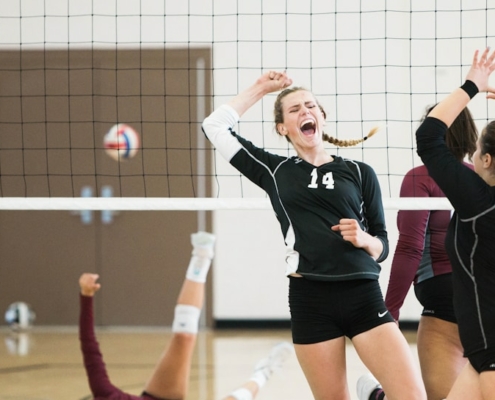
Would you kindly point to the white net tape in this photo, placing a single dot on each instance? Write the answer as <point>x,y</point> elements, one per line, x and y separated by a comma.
<point>171,204</point>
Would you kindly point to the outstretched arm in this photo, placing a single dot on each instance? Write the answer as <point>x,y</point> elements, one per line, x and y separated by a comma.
<point>481,68</point>
<point>218,126</point>
<point>456,180</point>
<point>93,360</point>
<point>268,82</point>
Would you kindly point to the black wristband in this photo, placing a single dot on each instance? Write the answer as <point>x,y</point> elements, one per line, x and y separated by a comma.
<point>470,88</point>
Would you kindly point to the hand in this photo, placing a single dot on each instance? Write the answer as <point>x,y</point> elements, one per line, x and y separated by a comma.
<point>274,81</point>
<point>351,232</point>
<point>88,284</point>
<point>268,82</point>
<point>480,71</point>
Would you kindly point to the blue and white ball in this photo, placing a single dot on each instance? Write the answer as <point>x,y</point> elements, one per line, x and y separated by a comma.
<point>19,316</point>
<point>121,142</point>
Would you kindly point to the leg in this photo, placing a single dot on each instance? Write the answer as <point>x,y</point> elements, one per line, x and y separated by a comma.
<point>440,356</point>
<point>171,375</point>
<point>324,366</point>
<point>467,385</point>
<point>386,353</point>
<point>262,372</point>
<point>487,383</point>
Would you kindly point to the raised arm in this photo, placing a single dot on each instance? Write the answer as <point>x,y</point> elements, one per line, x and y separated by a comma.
<point>476,81</point>
<point>219,124</point>
<point>98,379</point>
<point>271,81</point>
<point>457,181</point>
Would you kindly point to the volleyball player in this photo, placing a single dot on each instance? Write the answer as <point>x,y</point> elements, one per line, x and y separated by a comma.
<point>170,377</point>
<point>331,216</point>
<point>421,259</point>
<point>471,234</point>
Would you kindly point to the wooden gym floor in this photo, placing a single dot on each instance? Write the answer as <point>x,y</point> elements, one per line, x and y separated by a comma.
<point>46,364</point>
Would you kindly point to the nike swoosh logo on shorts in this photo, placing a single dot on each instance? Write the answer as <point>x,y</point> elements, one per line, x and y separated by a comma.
<point>380,315</point>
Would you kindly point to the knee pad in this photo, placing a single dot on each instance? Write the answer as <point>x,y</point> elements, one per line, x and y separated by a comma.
<point>186,319</point>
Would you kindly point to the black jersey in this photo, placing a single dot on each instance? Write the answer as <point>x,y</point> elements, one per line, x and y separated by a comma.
<point>308,201</point>
<point>470,237</point>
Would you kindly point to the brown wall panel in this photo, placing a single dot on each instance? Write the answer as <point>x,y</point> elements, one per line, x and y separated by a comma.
<point>55,108</point>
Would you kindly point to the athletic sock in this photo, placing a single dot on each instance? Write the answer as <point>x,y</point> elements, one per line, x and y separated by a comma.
<point>274,361</point>
<point>202,255</point>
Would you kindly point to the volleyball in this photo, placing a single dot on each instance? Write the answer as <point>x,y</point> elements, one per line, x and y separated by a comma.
<point>121,142</point>
<point>20,316</point>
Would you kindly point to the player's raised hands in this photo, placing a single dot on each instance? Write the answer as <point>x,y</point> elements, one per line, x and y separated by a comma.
<point>274,81</point>
<point>88,284</point>
<point>480,71</point>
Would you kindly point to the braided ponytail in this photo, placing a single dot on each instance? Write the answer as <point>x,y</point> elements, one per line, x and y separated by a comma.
<point>348,143</point>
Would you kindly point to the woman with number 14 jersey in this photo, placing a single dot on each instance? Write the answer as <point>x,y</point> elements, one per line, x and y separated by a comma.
<point>331,215</point>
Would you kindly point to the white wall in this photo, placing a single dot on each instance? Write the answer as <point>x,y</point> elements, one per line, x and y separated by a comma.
<point>250,280</point>
<point>369,63</point>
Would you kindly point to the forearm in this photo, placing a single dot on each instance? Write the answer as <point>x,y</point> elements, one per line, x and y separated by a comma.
<point>373,246</point>
<point>98,379</point>
<point>450,107</point>
<point>402,274</point>
<point>247,98</point>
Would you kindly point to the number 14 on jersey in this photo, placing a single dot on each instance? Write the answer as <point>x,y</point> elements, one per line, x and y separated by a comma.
<point>327,180</point>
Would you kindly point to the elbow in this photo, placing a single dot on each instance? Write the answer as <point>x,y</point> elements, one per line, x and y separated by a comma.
<point>206,128</point>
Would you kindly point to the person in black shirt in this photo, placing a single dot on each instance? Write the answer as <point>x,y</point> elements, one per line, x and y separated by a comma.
<point>331,216</point>
<point>471,235</point>
<point>421,260</point>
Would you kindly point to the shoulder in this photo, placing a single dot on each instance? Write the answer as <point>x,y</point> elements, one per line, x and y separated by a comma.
<point>362,167</point>
<point>419,172</point>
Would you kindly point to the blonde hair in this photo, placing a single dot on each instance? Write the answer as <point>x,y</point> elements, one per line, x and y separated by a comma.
<point>349,143</point>
<point>278,114</point>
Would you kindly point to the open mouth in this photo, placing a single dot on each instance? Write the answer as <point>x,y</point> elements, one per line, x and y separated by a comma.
<point>308,127</point>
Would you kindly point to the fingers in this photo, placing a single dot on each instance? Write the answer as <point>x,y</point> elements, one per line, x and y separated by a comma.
<point>349,222</point>
<point>88,284</point>
<point>89,280</point>
<point>475,58</point>
<point>491,61</point>
<point>484,60</point>
<point>280,77</point>
<point>484,56</point>
<point>346,225</point>
<point>481,69</point>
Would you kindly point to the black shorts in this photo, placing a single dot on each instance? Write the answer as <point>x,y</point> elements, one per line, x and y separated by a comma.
<point>323,310</point>
<point>483,360</point>
<point>435,295</point>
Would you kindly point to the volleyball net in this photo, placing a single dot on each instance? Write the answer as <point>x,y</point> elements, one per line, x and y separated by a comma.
<point>70,71</point>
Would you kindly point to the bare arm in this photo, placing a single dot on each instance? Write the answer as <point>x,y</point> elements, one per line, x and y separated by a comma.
<point>268,82</point>
<point>481,68</point>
